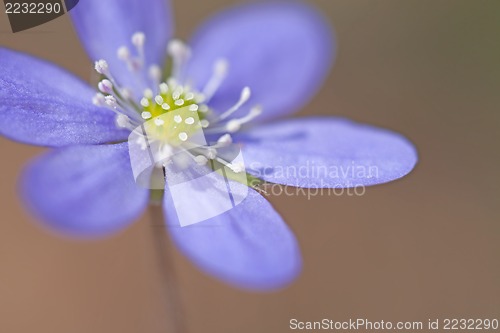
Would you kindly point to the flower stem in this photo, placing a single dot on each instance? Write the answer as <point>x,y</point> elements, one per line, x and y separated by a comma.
<point>166,269</point>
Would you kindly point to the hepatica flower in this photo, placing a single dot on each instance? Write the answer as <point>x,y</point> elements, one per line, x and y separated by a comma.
<point>243,68</point>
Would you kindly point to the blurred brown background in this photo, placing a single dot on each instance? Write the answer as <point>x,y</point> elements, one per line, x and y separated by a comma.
<point>423,247</point>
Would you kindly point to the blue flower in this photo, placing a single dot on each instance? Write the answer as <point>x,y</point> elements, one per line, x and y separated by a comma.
<point>274,55</point>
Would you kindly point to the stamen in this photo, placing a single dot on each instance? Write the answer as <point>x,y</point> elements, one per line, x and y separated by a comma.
<point>225,140</point>
<point>220,72</point>
<point>126,93</point>
<point>145,102</point>
<point>183,136</point>
<point>138,40</point>
<point>148,93</point>
<point>105,86</point>
<point>164,88</point>
<point>133,64</point>
<point>179,102</point>
<point>99,100</point>
<point>165,106</point>
<point>155,74</point>
<point>101,67</point>
<point>178,119</point>
<point>244,97</point>
<point>122,121</point>
<point>236,167</point>
<point>146,115</point>
<point>110,101</point>
<point>189,121</point>
<point>180,53</point>
<point>159,100</point>
<point>159,121</point>
<point>234,125</point>
<point>211,153</point>
<point>123,54</point>
<point>177,93</point>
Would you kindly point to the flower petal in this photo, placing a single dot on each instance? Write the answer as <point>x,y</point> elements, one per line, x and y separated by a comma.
<point>248,246</point>
<point>282,51</point>
<point>105,26</point>
<point>84,191</point>
<point>326,153</point>
<point>42,104</point>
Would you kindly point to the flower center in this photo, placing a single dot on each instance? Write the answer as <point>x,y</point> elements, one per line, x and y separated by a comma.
<point>171,115</point>
<point>176,113</point>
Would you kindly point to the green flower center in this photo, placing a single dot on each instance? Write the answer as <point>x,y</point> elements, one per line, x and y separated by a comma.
<point>174,115</point>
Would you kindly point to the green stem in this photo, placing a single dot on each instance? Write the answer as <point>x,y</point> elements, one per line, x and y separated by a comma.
<point>166,268</point>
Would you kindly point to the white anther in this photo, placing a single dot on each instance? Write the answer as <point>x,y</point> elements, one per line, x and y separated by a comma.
<point>126,93</point>
<point>165,106</point>
<point>244,97</point>
<point>122,121</point>
<point>155,73</point>
<point>183,136</point>
<point>204,123</point>
<point>101,67</point>
<point>220,71</point>
<point>159,121</point>
<point>237,167</point>
<point>177,92</point>
<point>193,107</point>
<point>203,108</point>
<point>254,113</point>
<point>148,93</point>
<point>146,115</point>
<point>179,102</point>
<point>201,160</point>
<point>225,140</point>
<point>189,96</point>
<point>189,121</point>
<point>233,125</point>
<point>123,53</point>
<point>105,86</point>
<point>163,88</point>
<point>245,94</point>
<point>211,153</point>
<point>180,53</point>
<point>159,100</point>
<point>176,48</point>
<point>178,119</point>
<point>172,82</point>
<point>99,100</point>
<point>110,101</point>
<point>138,39</point>
<point>144,102</point>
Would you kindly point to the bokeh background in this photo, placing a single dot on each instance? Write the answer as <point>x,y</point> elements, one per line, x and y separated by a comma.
<point>427,246</point>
